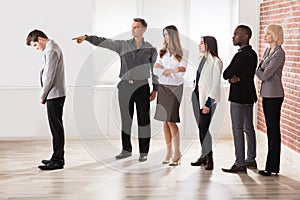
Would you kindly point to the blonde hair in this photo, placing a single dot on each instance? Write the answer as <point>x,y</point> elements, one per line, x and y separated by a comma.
<point>174,43</point>
<point>277,33</point>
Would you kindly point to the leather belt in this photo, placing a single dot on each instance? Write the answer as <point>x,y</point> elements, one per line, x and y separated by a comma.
<point>131,81</point>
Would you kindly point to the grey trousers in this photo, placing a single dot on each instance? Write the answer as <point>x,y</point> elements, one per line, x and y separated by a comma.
<point>242,122</point>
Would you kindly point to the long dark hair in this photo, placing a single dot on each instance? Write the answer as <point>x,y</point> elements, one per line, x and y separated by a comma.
<point>211,45</point>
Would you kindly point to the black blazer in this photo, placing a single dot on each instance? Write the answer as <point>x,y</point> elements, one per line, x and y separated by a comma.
<point>243,65</point>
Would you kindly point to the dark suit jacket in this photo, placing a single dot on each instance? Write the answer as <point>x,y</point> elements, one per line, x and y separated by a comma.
<point>243,65</point>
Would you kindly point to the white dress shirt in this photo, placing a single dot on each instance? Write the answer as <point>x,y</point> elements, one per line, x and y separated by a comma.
<point>169,61</point>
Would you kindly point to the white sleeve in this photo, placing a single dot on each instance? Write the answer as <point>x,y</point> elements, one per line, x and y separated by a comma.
<point>182,63</point>
<point>158,71</point>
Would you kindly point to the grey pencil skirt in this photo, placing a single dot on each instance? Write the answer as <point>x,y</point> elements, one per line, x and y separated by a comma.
<point>168,102</point>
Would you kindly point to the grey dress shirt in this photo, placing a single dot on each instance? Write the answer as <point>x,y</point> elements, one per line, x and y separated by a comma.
<point>136,63</point>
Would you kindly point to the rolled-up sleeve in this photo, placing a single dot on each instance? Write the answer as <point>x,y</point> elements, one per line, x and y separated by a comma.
<point>156,70</point>
<point>182,63</point>
<point>153,74</point>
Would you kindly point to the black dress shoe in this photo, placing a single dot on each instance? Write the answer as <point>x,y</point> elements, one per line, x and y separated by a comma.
<point>251,165</point>
<point>236,169</point>
<point>266,173</point>
<point>142,158</point>
<point>123,154</point>
<point>199,162</point>
<point>48,161</point>
<point>45,162</point>
<point>51,166</point>
<point>210,163</point>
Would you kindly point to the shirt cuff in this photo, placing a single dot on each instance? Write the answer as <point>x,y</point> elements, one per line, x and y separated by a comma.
<point>208,102</point>
<point>154,87</point>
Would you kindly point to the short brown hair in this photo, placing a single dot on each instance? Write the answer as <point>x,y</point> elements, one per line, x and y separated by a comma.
<point>142,21</point>
<point>34,35</point>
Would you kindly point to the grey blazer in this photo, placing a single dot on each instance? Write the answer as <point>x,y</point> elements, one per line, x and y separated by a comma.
<point>53,72</point>
<point>270,73</point>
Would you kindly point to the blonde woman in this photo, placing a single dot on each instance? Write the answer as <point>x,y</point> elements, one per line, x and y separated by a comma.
<point>206,95</point>
<point>270,73</point>
<point>170,67</point>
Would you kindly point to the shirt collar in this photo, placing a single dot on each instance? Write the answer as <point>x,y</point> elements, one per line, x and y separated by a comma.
<point>47,44</point>
<point>132,41</point>
<point>242,47</point>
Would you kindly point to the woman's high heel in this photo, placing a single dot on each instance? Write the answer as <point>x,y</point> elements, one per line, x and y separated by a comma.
<point>176,161</point>
<point>167,159</point>
<point>165,162</point>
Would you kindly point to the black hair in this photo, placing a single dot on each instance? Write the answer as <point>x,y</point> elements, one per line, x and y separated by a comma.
<point>246,30</point>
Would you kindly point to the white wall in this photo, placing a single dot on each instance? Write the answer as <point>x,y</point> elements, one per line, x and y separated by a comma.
<point>246,9</point>
<point>193,18</point>
<point>249,15</point>
<point>22,115</point>
<point>60,20</point>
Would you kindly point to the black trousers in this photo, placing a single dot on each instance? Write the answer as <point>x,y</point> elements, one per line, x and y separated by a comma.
<point>138,93</point>
<point>55,113</point>
<point>203,122</point>
<point>272,110</point>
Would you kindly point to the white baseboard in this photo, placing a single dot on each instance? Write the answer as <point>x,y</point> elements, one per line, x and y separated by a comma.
<point>287,153</point>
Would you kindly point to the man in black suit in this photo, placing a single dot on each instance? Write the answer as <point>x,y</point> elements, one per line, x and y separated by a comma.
<point>240,74</point>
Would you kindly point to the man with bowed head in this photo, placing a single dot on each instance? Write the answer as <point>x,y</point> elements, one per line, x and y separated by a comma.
<point>53,93</point>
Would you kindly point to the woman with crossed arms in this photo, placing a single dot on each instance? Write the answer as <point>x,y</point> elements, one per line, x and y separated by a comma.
<point>170,67</point>
<point>270,73</point>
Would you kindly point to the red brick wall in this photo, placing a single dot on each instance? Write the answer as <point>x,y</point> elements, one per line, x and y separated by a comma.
<point>287,14</point>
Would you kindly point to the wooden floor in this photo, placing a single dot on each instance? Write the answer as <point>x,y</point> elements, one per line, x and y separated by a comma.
<point>91,172</point>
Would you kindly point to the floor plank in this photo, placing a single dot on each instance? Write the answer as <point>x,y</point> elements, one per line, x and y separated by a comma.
<point>91,172</point>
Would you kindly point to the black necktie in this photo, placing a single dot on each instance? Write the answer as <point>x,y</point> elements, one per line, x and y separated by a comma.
<point>41,77</point>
